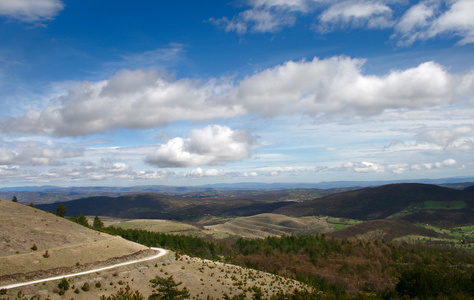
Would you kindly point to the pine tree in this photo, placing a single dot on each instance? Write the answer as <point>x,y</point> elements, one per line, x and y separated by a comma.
<point>167,288</point>
<point>98,224</point>
<point>61,210</point>
<point>15,199</point>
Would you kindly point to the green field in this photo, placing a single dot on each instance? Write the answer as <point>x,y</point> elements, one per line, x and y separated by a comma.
<point>428,205</point>
<point>340,223</point>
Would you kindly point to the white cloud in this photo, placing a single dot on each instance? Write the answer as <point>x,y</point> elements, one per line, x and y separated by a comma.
<point>30,10</point>
<point>212,145</point>
<point>336,86</point>
<point>364,167</point>
<point>421,21</point>
<point>452,139</point>
<point>264,16</point>
<point>412,24</point>
<point>436,165</point>
<point>130,99</point>
<point>250,174</point>
<point>355,14</point>
<point>324,89</point>
<point>104,170</point>
<point>35,154</point>
<point>198,173</point>
<point>427,20</point>
<point>459,19</point>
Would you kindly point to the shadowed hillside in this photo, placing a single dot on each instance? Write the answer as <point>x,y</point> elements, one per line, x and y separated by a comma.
<point>381,202</point>
<point>384,230</point>
<point>159,206</point>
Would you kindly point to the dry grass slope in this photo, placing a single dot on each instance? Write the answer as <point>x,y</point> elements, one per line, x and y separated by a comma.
<point>263,225</point>
<point>67,243</point>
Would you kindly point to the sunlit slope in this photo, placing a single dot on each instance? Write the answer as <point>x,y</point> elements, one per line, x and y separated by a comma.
<point>260,226</point>
<point>33,240</point>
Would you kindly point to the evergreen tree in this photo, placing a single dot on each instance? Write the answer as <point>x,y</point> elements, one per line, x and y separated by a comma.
<point>81,220</point>
<point>98,224</point>
<point>61,210</point>
<point>15,199</point>
<point>167,288</point>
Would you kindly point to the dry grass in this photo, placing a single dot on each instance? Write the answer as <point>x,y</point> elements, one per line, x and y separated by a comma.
<point>263,225</point>
<point>67,243</point>
<point>200,277</point>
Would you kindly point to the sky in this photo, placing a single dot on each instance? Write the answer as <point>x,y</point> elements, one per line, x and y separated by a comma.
<point>123,93</point>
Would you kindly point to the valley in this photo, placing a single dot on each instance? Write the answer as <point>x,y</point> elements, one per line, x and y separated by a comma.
<point>341,243</point>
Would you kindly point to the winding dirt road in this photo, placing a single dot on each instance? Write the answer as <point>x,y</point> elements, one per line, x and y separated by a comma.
<point>161,252</point>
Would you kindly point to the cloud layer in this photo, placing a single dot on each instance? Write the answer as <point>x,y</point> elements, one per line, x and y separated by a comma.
<point>323,89</point>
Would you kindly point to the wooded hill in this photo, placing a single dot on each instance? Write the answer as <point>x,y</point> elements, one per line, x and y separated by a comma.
<point>388,200</point>
<point>425,203</point>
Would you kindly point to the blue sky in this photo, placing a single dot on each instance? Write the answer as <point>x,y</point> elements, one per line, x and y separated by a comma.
<point>196,92</point>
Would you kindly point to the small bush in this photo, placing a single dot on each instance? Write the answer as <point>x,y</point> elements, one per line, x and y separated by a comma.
<point>98,285</point>
<point>86,287</point>
<point>34,247</point>
<point>63,284</point>
<point>46,254</point>
<point>77,291</point>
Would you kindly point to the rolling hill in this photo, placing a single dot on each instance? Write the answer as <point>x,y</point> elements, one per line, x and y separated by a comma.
<point>429,201</point>
<point>385,230</point>
<point>160,206</point>
<point>33,240</point>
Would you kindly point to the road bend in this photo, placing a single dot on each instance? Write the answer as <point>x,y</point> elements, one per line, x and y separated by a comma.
<point>161,252</point>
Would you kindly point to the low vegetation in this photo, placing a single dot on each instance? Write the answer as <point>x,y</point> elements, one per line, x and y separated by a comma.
<point>332,266</point>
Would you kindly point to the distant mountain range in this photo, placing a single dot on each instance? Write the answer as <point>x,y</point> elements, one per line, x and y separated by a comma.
<point>461,181</point>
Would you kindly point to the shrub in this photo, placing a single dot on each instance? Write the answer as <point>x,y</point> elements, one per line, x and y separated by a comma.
<point>46,254</point>
<point>86,287</point>
<point>98,285</point>
<point>63,284</point>
<point>34,247</point>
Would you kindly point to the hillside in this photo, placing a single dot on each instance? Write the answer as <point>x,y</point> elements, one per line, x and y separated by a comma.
<point>72,247</point>
<point>160,206</point>
<point>385,201</point>
<point>67,243</point>
<point>260,226</point>
<point>385,230</point>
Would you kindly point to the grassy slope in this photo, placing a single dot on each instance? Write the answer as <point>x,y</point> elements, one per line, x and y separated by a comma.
<point>260,226</point>
<point>67,243</point>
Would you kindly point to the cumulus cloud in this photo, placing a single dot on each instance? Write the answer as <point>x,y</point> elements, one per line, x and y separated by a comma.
<point>364,167</point>
<point>198,173</point>
<point>336,86</point>
<point>129,99</point>
<point>35,154</point>
<point>30,10</point>
<point>212,145</point>
<point>436,165</point>
<point>323,89</point>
